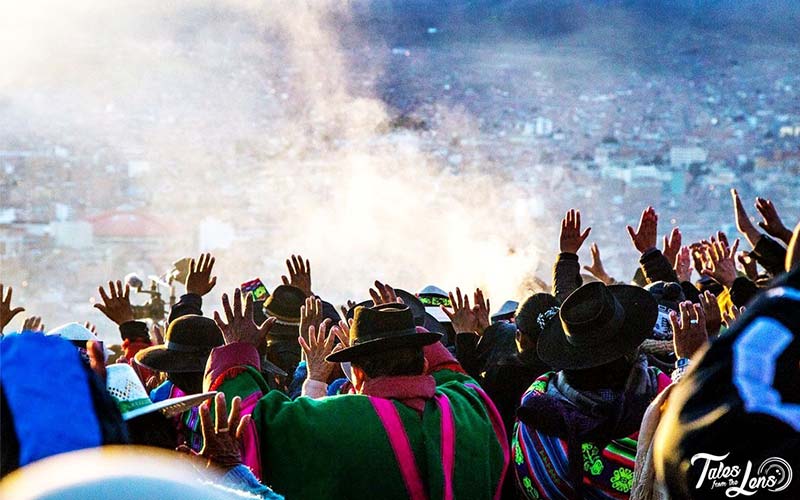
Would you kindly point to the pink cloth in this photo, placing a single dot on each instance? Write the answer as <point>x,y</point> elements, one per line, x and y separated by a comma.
<point>229,356</point>
<point>413,391</point>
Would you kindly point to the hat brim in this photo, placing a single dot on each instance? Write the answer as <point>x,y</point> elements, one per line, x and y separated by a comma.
<point>161,359</point>
<point>641,312</point>
<point>171,407</point>
<point>420,339</point>
<point>438,314</point>
<point>433,325</point>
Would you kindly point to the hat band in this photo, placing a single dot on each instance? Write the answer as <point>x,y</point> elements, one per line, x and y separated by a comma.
<point>178,347</point>
<point>385,335</point>
<point>135,404</point>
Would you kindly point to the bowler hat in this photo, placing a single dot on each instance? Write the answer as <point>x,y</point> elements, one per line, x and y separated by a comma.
<point>284,305</point>
<point>598,324</point>
<point>187,344</point>
<point>382,328</point>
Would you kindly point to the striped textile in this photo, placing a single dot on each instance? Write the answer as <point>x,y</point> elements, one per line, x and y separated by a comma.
<point>541,462</point>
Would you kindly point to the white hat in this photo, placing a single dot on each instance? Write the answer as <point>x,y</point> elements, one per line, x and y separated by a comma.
<point>124,386</point>
<point>78,335</point>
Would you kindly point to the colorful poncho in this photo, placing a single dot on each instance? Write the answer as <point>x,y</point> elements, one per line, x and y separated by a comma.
<point>541,461</point>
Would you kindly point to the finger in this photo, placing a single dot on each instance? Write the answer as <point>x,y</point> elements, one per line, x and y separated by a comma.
<point>237,303</point>
<point>296,265</point>
<point>206,425</point>
<point>111,290</point>
<point>674,323</point>
<point>5,299</point>
<point>466,301</point>
<point>340,335</point>
<point>248,307</point>
<point>460,298</point>
<point>220,412</point>
<point>734,248</point>
<point>217,319</point>
<point>344,311</point>
<point>210,263</point>
<point>226,306</point>
<point>447,312</point>
<point>453,302</point>
<point>285,280</point>
<point>236,407</point>
<point>684,312</point>
<point>586,233</point>
<point>120,292</point>
<point>192,266</point>
<point>212,283</point>
<point>312,337</point>
<point>102,308</point>
<point>376,297</point>
<point>578,219</point>
<point>240,429</point>
<point>631,233</point>
<point>266,326</point>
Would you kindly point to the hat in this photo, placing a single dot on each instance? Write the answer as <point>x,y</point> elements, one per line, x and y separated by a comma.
<point>535,313</point>
<point>506,311</point>
<point>284,305</point>
<point>432,297</point>
<point>131,398</point>
<point>413,303</point>
<point>598,324</point>
<point>382,328</point>
<point>667,294</point>
<point>187,344</point>
<point>78,335</point>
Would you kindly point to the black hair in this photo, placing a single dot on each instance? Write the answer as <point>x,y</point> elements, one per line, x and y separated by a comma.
<point>528,314</point>
<point>153,429</point>
<point>188,382</point>
<point>392,363</point>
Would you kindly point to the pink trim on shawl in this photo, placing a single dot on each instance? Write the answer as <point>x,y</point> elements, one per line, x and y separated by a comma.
<point>249,445</point>
<point>390,418</point>
<point>448,444</point>
<point>500,432</point>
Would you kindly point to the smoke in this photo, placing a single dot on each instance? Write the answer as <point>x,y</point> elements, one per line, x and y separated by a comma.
<point>260,121</point>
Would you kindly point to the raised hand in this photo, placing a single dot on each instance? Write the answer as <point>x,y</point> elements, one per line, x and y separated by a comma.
<point>89,326</point>
<point>482,310</point>
<point>157,334</point>
<point>683,264</point>
<point>688,329</point>
<point>221,438</point>
<point>571,237</point>
<point>310,315</point>
<point>33,324</point>
<point>596,268</point>
<point>644,238</point>
<point>346,308</point>
<point>199,280</point>
<point>772,222</point>
<point>6,313</point>
<point>672,245</point>
<point>731,315</point>
<point>463,317</point>
<point>712,313</point>
<point>320,344</point>
<point>240,326</point>
<point>743,223</point>
<point>719,262</point>
<point>116,304</point>
<point>299,274</point>
<point>384,294</point>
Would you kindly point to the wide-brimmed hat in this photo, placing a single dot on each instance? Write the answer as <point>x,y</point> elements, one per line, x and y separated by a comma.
<point>382,328</point>
<point>78,335</point>
<point>187,344</point>
<point>598,324</point>
<point>506,311</point>
<point>131,398</point>
<point>432,297</point>
<point>284,305</point>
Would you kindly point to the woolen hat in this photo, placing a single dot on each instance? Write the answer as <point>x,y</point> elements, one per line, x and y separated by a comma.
<point>131,397</point>
<point>382,328</point>
<point>598,324</point>
<point>187,344</point>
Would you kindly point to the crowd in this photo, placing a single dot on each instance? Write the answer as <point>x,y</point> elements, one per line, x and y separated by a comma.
<point>680,381</point>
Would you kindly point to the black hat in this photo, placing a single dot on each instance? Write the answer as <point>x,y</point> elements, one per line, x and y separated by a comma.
<point>413,303</point>
<point>667,294</point>
<point>382,328</point>
<point>506,311</point>
<point>284,305</point>
<point>187,344</point>
<point>598,324</point>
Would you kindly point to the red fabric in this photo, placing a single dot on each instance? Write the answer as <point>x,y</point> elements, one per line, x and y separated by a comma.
<point>413,391</point>
<point>439,358</point>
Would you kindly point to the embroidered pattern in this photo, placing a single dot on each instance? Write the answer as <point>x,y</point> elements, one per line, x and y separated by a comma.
<point>622,480</point>
<point>591,459</point>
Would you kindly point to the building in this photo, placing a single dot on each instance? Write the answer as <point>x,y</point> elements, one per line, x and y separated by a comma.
<point>683,156</point>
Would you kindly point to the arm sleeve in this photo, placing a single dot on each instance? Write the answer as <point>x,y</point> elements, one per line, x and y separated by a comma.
<point>566,275</point>
<point>656,267</point>
<point>770,254</point>
<point>189,303</point>
<point>742,291</point>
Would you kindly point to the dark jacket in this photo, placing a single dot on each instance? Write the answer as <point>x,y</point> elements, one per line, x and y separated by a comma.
<point>656,267</point>
<point>566,275</point>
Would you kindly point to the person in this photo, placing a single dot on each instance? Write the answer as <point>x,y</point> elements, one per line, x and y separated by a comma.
<point>738,408</point>
<point>416,427</point>
<point>575,430</point>
<point>187,343</point>
<point>148,422</point>
<point>51,401</point>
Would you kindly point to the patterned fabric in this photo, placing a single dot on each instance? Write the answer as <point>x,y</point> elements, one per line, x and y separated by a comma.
<point>541,461</point>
